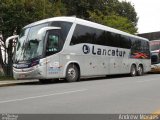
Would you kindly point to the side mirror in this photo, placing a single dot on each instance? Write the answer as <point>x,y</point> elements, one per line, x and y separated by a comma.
<point>10,38</point>
<point>44,30</point>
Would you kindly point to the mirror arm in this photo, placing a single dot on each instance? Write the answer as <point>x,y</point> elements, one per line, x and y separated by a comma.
<point>10,38</point>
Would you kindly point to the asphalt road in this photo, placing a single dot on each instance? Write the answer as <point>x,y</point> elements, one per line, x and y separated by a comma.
<point>118,94</point>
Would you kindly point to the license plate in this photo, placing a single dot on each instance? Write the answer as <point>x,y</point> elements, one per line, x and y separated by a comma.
<point>22,76</point>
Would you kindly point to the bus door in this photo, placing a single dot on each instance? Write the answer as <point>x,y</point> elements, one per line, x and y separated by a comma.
<point>52,47</point>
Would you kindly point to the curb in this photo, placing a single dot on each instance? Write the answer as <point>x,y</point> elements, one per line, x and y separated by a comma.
<point>16,82</point>
<point>8,84</point>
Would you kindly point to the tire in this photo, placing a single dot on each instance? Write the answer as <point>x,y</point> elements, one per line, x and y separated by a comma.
<point>72,73</point>
<point>140,70</point>
<point>133,71</point>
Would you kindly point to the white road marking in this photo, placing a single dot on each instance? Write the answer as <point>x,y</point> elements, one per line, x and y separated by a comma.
<point>41,96</point>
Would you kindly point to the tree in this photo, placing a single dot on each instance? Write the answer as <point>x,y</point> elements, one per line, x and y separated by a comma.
<point>119,15</point>
<point>121,23</point>
<point>114,21</point>
<point>125,9</point>
<point>15,14</point>
<point>108,12</point>
<point>80,8</point>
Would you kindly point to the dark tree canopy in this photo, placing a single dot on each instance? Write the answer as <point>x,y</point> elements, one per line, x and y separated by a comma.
<point>14,14</point>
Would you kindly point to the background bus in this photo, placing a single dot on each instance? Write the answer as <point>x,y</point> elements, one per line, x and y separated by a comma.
<point>155,55</point>
<point>72,48</point>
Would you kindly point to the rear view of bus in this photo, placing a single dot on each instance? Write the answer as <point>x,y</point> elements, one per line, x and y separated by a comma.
<point>155,55</point>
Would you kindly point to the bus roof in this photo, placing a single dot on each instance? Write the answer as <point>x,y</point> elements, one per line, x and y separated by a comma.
<point>84,22</point>
<point>67,19</point>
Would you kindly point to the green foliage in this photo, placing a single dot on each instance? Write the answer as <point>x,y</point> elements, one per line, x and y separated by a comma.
<point>125,9</point>
<point>14,14</point>
<point>114,21</point>
<point>121,23</point>
<point>3,78</point>
<point>80,8</point>
<point>119,15</point>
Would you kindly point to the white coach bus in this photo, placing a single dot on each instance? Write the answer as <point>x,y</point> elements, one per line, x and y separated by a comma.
<point>72,48</point>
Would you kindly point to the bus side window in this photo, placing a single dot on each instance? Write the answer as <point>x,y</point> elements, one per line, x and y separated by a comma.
<point>52,45</point>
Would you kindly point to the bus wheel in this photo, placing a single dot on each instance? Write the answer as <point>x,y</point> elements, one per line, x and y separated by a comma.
<point>72,73</point>
<point>133,71</point>
<point>140,70</point>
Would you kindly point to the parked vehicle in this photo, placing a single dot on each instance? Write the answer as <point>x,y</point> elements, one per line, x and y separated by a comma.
<point>72,48</point>
<point>155,55</point>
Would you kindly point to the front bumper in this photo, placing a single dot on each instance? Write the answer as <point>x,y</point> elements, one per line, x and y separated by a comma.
<point>27,73</point>
<point>155,68</point>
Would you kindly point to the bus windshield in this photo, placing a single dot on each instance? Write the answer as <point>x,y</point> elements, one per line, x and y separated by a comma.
<point>28,46</point>
<point>155,45</point>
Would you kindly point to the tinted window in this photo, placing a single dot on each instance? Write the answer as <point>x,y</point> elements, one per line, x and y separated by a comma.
<point>85,34</point>
<point>140,49</point>
<point>65,27</point>
<point>125,42</point>
<point>53,42</point>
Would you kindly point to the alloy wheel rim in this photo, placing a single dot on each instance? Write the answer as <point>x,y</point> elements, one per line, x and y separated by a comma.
<point>133,71</point>
<point>140,70</point>
<point>72,73</point>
